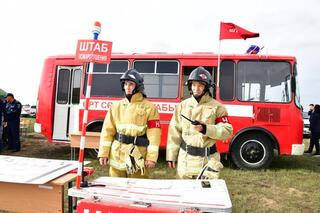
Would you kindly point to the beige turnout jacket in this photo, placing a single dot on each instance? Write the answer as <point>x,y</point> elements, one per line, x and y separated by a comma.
<point>134,118</point>
<point>209,111</point>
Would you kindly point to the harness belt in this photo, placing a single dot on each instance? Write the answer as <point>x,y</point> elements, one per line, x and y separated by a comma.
<point>198,151</point>
<point>138,140</point>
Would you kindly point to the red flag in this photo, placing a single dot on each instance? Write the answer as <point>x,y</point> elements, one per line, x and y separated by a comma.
<point>232,31</point>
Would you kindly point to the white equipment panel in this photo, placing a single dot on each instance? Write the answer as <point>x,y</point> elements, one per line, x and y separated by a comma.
<point>33,170</point>
<point>205,195</point>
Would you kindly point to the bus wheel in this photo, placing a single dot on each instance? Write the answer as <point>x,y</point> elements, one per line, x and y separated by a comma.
<point>94,128</point>
<point>252,151</point>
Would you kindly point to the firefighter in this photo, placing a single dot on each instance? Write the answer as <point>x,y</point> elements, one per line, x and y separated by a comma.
<point>191,139</point>
<point>130,135</point>
<point>12,124</point>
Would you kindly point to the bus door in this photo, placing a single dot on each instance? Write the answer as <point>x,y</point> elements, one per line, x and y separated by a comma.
<point>186,70</point>
<point>67,101</point>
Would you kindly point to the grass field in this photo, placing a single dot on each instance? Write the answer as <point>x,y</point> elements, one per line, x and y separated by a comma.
<point>291,184</point>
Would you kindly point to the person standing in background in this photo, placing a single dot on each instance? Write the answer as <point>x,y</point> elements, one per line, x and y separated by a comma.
<point>315,130</point>
<point>311,144</point>
<point>311,109</point>
<point>13,111</point>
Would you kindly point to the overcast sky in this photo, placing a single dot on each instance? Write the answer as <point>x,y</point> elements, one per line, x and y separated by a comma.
<point>33,30</point>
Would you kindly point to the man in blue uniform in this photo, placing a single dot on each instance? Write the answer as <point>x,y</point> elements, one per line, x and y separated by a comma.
<point>2,120</point>
<point>13,111</point>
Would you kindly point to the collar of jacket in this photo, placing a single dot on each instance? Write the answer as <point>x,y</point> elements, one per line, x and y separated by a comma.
<point>138,97</point>
<point>204,99</point>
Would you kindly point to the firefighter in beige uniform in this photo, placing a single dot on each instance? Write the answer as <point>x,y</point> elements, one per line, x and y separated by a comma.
<point>130,135</point>
<point>192,144</point>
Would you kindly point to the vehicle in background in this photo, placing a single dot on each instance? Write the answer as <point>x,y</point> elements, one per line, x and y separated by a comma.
<point>33,110</point>
<point>28,111</point>
<point>260,92</point>
<point>25,111</point>
<point>306,125</point>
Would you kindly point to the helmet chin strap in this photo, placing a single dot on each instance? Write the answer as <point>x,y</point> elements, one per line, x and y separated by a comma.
<point>198,97</point>
<point>135,91</point>
<point>129,96</point>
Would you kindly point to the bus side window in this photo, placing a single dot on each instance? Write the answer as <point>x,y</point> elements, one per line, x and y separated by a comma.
<point>161,77</point>
<point>227,80</point>
<point>264,81</point>
<point>63,86</point>
<point>76,86</point>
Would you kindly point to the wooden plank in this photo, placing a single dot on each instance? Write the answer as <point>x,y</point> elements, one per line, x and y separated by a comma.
<point>60,181</point>
<point>92,139</point>
<point>31,198</point>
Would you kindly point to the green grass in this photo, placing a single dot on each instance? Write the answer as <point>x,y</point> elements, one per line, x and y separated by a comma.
<point>291,184</point>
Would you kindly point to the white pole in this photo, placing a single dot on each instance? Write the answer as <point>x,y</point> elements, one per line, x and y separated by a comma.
<point>96,31</point>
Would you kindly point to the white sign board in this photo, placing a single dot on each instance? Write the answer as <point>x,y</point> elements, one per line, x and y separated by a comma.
<point>32,170</point>
<point>94,51</point>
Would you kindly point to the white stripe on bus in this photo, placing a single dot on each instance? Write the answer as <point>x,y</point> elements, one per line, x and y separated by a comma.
<point>240,110</point>
<point>168,107</point>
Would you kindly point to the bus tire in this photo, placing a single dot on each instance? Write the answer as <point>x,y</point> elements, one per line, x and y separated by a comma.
<point>252,151</point>
<point>94,128</point>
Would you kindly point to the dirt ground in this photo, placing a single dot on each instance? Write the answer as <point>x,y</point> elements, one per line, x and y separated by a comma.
<point>35,145</point>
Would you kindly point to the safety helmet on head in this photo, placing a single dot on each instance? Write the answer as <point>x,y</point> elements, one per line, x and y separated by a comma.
<point>202,75</point>
<point>136,77</point>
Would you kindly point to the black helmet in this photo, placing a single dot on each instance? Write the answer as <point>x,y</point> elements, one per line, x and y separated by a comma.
<point>202,75</point>
<point>136,77</point>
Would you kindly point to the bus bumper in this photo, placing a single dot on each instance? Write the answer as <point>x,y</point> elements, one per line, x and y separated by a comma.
<point>37,127</point>
<point>297,149</point>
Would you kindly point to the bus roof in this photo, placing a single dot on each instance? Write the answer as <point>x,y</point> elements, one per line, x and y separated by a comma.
<point>207,55</point>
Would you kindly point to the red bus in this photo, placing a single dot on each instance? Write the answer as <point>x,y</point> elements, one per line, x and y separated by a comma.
<point>260,92</point>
